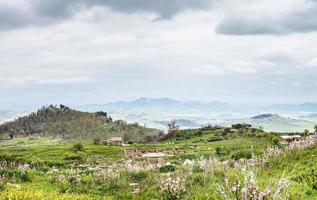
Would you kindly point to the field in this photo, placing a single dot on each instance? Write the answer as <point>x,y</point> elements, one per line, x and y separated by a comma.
<point>200,166</point>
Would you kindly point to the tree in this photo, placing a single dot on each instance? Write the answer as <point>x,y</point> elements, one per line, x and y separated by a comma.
<point>97,139</point>
<point>315,127</point>
<point>225,133</point>
<point>172,128</point>
<point>306,132</point>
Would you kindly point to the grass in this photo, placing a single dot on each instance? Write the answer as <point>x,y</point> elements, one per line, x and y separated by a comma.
<point>299,167</point>
<point>50,153</point>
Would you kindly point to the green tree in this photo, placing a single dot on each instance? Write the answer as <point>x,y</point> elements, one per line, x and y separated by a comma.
<point>306,133</point>
<point>225,133</point>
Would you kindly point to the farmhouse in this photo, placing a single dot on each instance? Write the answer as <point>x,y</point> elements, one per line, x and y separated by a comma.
<point>290,138</point>
<point>114,141</point>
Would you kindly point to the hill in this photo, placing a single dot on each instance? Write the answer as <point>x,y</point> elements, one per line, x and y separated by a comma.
<point>278,123</point>
<point>71,125</point>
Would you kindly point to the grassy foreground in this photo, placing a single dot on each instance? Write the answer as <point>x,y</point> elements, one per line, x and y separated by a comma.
<point>200,168</point>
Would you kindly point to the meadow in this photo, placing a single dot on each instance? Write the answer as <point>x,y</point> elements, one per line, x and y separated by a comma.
<point>204,164</point>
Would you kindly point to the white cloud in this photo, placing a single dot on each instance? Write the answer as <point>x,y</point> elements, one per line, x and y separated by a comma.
<point>312,63</point>
<point>263,17</point>
<point>103,52</point>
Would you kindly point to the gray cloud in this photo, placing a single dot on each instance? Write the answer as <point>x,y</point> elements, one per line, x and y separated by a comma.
<point>299,20</point>
<point>39,12</point>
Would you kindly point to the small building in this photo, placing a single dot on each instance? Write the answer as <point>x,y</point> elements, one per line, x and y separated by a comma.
<point>290,138</point>
<point>114,141</point>
<point>153,155</point>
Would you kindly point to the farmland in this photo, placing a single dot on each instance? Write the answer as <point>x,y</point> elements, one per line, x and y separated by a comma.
<point>200,167</point>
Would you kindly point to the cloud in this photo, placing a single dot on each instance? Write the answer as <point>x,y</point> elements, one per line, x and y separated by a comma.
<point>312,63</point>
<point>99,54</point>
<point>298,18</point>
<point>39,12</point>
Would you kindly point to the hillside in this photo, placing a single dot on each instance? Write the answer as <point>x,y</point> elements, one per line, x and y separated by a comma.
<point>70,125</point>
<point>278,123</point>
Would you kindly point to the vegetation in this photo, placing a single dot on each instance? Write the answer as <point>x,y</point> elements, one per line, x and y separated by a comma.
<point>71,125</point>
<point>207,163</point>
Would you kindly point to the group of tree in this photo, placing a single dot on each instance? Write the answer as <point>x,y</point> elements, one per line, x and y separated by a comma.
<point>64,122</point>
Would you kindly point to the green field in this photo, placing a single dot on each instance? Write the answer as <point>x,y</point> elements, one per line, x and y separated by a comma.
<point>90,171</point>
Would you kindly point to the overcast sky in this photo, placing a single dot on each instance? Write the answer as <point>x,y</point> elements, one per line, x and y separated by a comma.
<point>98,51</point>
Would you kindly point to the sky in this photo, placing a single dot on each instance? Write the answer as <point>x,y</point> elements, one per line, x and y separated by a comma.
<point>98,51</point>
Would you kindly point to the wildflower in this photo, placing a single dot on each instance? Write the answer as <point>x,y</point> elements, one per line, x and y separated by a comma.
<point>74,177</point>
<point>174,188</point>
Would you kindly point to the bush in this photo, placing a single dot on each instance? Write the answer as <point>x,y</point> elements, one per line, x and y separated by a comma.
<point>218,150</point>
<point>97,140</point>
<point>139,176</point>
<point>167,168</point>
<point>242,154</point>
<point>198,179</point>
<point>275,140</point>
<point>78,147</point>
<point>14,173</point>
<point>73,156</point>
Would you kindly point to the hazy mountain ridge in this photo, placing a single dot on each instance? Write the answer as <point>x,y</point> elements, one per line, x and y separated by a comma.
<point>156,112</point>
<point>278,123</point>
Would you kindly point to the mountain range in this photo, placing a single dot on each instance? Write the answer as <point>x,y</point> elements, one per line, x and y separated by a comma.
<point>157,112</point>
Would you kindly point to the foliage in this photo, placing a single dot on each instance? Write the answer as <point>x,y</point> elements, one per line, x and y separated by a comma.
<point>72,125</point>
<point>246,154</point>
<point>78,147</point>
<point>167,168</point>
<point>200,170</point>
<point>275,141</point>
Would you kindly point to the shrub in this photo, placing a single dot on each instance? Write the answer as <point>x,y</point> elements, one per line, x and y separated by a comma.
<point>97,140</point>
<point>174,188</point>
<point>139,176</point>
<point>78,147</point>
<point>275,140</point>
<point>198,179</point>
<point>218,150</point>
<point>72,156</point>
<point>14,173</point>
<point>167,168</point>
<point>241,154</point>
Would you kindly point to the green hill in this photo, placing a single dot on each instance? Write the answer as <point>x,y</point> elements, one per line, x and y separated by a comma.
<point>70,125</point>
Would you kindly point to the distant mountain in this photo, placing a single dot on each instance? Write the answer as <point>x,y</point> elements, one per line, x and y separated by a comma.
<point>154,111</point>
<point>72,125</point>
<point>162,103</point>
<point>265,116</point>
<point>278,123</point>
<point>314,115</point>
<point>183,123</point>
<point>143,102</point>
